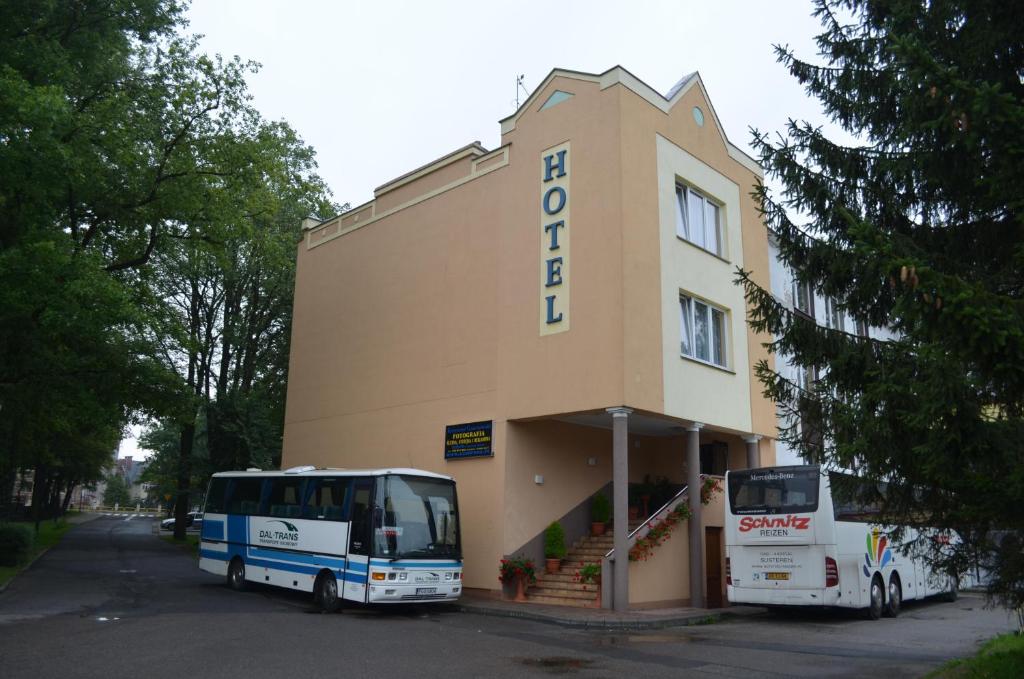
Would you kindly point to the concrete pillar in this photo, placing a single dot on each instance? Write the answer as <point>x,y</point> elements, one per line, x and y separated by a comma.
<point>620,505</point>
<point>753,451</point>
<point>696,528</point>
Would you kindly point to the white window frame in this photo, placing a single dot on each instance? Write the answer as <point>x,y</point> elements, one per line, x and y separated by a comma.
<point>835,318</point>
<point>808,292</point>
<point>687,330</point>
<point>687,197</point>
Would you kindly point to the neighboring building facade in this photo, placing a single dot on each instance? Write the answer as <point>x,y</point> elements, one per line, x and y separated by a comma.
<point>574,281</point>
<point>801,298</point>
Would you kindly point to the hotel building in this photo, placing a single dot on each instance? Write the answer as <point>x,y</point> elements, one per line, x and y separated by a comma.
<point>547,320</point>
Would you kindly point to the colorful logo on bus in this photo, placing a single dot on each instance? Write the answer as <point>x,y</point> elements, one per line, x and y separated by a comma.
<point>878,554</point>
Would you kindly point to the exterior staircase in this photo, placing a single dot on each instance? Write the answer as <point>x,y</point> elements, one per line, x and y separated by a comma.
<point>562,588</point>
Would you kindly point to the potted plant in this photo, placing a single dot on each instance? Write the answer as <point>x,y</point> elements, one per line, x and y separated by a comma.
<point>518,570</point>
<point>590,574</point>
<point>554,546</point>
<point>600,512</point>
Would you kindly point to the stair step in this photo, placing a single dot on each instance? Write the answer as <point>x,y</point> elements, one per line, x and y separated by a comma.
<point>562,593</point>
<point>562,601</point>
<point>565,583</point>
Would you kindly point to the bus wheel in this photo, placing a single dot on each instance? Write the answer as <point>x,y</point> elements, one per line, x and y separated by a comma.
<point>877,600</point>
<point>325,592</point>
<point>236,574</point>
<point>894,598</point>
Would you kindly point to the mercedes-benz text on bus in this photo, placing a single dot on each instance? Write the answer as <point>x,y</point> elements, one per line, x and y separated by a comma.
<point>371,536</point>
<point>788,543</point>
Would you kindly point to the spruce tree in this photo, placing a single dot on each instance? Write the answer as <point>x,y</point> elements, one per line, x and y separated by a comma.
<point>918,229</point>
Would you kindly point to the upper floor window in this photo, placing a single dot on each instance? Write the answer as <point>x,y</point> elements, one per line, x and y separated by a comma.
<point>834,316</point>
<point>702,331</point>
<point>803,298</point>
<point>698,219</point>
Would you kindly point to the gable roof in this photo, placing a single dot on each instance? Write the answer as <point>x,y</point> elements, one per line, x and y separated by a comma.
<point>618,75</point>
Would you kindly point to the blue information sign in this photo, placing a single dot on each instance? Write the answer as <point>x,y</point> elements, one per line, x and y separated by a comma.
<point>468,440</point>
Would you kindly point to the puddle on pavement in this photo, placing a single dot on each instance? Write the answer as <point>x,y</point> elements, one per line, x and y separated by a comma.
<point>557,664</point>
<point>623,639</point>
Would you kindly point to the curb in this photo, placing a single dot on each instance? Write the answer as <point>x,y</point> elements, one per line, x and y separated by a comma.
<point>608,624</point>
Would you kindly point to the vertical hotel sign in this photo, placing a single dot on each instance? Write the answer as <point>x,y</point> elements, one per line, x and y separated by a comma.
<point>554,240</point>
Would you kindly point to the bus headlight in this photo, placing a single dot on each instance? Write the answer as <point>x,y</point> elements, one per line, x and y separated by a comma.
<point>403,576</point>
<point>448,575</point>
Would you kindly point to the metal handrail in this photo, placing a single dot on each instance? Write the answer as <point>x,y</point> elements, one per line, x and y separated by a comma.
<point>633,535</point>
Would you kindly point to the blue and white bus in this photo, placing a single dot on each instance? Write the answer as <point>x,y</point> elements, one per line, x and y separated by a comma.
<point>369,536</point>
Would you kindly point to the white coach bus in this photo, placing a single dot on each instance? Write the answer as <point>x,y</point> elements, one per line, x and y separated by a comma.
<point>369,536</point>
<point>788,543</point>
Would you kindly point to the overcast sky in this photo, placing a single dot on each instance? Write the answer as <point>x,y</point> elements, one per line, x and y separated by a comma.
<point>379,88</point>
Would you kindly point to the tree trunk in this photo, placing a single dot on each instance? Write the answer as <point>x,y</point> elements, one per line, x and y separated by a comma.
<point>181,506</point>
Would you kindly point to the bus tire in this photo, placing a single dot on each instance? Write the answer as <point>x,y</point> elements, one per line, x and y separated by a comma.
<point>325,592</point>
<point>876,598</point>
<point>894,597</point>
<point>236,574</point>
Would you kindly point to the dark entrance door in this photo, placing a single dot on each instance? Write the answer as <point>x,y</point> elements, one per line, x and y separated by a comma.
<point>713,552</point>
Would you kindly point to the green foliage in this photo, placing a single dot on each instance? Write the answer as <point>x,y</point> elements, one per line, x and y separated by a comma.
<point>1001,657</point>
<point>600,508</point>
<point>116,492</point>
<point>15,543</point>
<point>148,222</point>
<point>589,573</point>
<point>517,567</point>
<point>916,229</point>
<point>554,541</point>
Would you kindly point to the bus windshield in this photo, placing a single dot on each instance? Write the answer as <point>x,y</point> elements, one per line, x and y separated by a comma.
<point>416,517</point>
<point>783,490</point>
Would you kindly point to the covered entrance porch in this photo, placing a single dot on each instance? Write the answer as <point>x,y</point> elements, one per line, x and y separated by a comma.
<point>641,461</point>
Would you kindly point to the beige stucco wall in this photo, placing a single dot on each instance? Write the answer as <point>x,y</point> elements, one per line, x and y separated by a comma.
<point>558,452</point>
<point>580,369</point>
<point>395,333</point>
<point>665,577</point>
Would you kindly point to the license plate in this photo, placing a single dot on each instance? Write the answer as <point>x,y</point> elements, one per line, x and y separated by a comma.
<point>426,590</point>
<point>776,576</point>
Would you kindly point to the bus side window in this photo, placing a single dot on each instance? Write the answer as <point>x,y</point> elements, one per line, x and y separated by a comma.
<point>285,497</point>
<point>243,496</point>
<point>326,499</point>
<point>361,515</point>
<point>215,496</point>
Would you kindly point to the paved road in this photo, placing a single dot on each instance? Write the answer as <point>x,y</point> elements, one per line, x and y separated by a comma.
<point>112,600</point>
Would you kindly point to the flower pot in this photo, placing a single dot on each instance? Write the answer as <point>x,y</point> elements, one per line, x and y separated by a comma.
<point>552,565</point>
<point>521,588</point>
<point>597,528</point>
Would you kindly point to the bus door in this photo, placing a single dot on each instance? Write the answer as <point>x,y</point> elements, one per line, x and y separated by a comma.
<point>360,540</point>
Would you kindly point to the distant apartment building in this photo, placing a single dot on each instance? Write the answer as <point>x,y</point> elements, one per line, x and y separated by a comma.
<point>568,298</point>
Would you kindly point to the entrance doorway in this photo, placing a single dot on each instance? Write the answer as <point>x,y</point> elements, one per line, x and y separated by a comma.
<point>713,569</point>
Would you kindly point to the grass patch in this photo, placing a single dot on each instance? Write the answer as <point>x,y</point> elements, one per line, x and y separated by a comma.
<point>191,543</point>
<point>50,533</point>
<point>1000,657</point>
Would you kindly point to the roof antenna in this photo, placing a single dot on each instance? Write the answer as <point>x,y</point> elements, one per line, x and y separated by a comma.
<point>519,86</point>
